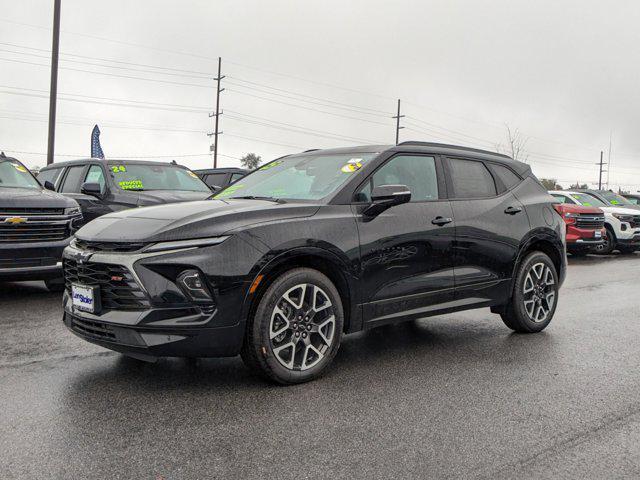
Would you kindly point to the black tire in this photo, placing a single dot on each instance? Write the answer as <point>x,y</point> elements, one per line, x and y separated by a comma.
<point>55,284</point>
<point>627,250</point>
<point>609,244</point>
<point>259,350</point>
<point>515,314</point>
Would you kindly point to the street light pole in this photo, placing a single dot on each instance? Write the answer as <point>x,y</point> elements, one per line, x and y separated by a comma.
<point>53,91</point>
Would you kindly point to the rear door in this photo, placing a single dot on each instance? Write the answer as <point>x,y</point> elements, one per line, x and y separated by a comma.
<point>490,225</point>
<point>406,258</point>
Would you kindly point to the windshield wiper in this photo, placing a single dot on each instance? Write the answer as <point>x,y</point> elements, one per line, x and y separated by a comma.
<point>253,197</point>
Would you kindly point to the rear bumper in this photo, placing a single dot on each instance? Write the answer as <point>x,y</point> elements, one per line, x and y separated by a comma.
<point>31,261</point>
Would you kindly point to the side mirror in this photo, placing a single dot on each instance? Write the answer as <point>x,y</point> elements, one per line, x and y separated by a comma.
<point>49,186</point>
<point>387,196</point>
<point>91,188</point>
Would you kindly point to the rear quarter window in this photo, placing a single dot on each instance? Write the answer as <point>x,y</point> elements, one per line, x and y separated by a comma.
<point>505,176</point>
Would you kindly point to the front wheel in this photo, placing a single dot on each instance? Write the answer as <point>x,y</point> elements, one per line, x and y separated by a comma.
<point>535,295</point>
<point>608,243</point>
<point>296,330</point>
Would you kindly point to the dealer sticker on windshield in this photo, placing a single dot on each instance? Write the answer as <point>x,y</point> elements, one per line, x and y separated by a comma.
<point>83,298</point>
<point>352,165</point>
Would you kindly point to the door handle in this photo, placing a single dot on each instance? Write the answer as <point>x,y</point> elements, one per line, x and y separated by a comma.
<point>512,210</point>
<point>440,221</point>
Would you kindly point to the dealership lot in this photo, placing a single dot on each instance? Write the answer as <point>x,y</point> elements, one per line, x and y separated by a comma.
<point>453,396</point>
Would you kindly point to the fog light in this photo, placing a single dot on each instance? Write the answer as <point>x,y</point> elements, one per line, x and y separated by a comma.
<point>623,227</point>
<point>193,286</point>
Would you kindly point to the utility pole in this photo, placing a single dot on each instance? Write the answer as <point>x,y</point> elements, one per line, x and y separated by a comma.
<point>601,164</point>
<point>398,127</point>
<point>217,114</point>
<point>53,91</point>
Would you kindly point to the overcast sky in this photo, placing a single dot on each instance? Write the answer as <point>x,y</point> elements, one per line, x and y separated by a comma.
<point>312,74</point>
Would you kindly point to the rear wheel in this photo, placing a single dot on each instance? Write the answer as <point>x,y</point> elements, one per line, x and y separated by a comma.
<point>296,329</point>
<point>535,295</point>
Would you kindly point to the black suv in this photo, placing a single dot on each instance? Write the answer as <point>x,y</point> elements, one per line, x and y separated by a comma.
<point>35,226</point>
<point>218,178</point>
<point>102,187</point>
<point>313,245</point>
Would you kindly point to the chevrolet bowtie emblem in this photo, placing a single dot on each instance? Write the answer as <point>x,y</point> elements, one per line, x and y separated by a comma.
<point>16,220</point>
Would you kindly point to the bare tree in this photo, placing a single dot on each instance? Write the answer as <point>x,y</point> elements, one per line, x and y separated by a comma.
<point>514,147</point>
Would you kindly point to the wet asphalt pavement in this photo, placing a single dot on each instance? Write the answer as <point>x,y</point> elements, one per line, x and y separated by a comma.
<point>457,396</point>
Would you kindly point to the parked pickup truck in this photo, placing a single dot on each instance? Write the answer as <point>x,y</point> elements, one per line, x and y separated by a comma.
<point>585,227</point>
<point>36,224</point>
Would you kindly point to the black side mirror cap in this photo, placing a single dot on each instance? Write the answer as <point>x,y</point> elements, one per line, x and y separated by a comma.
<point>91,188</point>
<point>49,186</point>
<point>387,196</point>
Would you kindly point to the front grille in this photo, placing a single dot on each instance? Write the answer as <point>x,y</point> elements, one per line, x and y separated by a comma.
<point>33,232</point>
<point>119,289</point>
<point>97,330</point>
<point>635,223</point>
<point>30,211</point>
<point>590,221</point>
<point>108,246</point>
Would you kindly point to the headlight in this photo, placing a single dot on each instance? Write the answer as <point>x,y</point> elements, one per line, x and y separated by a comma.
<point>200,242</point>
<point>623,218</point>
<point>72,211</point>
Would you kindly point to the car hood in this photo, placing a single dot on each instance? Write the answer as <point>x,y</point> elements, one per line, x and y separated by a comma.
<point>620,210</point>
<point>157,197</point>
<point>190,220</point>
<point>33,198</point>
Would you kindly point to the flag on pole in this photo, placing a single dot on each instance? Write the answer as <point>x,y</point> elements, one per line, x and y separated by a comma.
<point>96,149</point>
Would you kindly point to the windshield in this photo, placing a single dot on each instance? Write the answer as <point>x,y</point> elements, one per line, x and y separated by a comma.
<point>15,175</point>
<point>141,177</point>
<point>587,200</point>
<point>303,177</point>
<point>615,199</point>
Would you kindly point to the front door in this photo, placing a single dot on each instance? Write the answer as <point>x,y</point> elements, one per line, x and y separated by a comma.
<point>406,251</point>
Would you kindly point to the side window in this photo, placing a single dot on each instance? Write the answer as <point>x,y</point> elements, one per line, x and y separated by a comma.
<point>415,171</point>
<point>72,180</point>
<point>236,176</point>
<point>505,175</point>
<point>561,198</point>
<point>96,175</point>
<point>216,179</point>
<point>471,179</point>
<point>50,175</point>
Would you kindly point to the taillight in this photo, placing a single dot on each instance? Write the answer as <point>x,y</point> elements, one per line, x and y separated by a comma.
<point>568,217</point>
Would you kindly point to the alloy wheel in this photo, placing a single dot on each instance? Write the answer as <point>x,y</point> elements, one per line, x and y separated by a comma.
<point>539,292</point>
<point>302,327</point>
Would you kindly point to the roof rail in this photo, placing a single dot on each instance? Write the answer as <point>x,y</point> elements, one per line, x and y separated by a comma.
<point>457,147</point>
<point>311,150</point>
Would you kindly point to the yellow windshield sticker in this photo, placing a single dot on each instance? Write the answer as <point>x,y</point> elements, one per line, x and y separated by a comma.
<point>192,174</point>
<point>271,165</point>
<point>131,185</point>
<point>352,165</point>
<point>615,202</point>
<point>228,191</point>
<point>118,168</point>
<point>19,167</point>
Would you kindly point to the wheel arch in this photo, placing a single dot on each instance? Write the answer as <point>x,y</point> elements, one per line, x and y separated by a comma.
<point>547,242</point>
<point>320,259</point>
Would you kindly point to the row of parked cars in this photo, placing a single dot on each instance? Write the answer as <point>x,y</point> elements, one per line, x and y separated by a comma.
<point>38,216</point>
<point>599,221</point>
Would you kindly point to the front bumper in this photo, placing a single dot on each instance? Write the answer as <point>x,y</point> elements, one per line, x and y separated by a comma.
<point>162,321</point>
<point>31,261</point>
<point>150,343</point>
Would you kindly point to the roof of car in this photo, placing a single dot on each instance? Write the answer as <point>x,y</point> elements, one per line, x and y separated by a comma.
<point>221,170</point>
<point>121,161</point>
